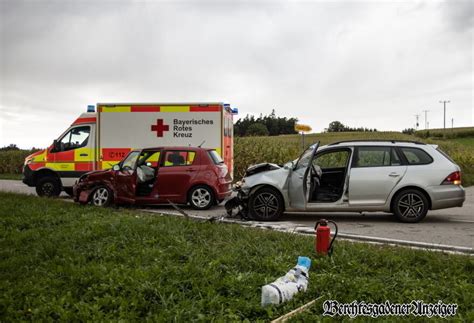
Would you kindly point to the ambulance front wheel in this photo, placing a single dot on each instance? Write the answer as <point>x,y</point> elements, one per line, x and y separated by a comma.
<point>48,187</point>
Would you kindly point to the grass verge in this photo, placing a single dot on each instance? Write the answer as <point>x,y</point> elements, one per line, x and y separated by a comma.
<point>11,176</point>
<point>62,261</point>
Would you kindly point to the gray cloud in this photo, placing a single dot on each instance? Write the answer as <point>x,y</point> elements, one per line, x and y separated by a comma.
<point>459,14</point>
<point>359,62</point>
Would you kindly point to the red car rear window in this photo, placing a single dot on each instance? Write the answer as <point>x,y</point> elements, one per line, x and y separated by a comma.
<point>216,158</point>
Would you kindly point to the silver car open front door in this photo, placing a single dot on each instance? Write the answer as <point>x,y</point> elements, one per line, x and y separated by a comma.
<point>300,180</point>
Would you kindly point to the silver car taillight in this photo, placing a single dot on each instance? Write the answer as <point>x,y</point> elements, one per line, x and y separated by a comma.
<point>453,179</point>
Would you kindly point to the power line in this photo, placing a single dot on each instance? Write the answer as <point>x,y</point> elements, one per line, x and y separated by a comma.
<point>417,124</point>
<point>426,118</point>
<point>444,104</point>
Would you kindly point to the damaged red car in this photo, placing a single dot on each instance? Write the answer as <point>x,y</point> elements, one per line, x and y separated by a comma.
<point>160,175</point>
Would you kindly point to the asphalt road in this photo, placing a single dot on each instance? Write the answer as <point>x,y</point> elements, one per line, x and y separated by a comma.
<point>454,227</point>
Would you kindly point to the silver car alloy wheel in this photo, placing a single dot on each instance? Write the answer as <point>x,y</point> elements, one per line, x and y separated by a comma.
<point>201,197</point>
<point>411,205</point>
<point>100,197</point>
<point>266,205</point>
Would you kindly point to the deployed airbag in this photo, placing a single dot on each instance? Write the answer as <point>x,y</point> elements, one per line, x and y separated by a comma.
<point>145,173</point>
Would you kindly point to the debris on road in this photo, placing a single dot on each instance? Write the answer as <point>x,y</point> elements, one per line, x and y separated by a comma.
<point>285,287</point>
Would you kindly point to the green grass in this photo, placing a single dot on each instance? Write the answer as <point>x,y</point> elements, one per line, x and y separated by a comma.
<point>11,176</point>
<point>61,261</point>
<point>469,142</point>
<point>446,133</point>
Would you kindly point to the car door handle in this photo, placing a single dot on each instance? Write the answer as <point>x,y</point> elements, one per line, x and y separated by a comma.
<point>84,155</point>
<point>191,170</point>
<point>393,174</point>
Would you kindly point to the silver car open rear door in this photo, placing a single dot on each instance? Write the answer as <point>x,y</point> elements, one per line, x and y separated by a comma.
<point>300,180</point>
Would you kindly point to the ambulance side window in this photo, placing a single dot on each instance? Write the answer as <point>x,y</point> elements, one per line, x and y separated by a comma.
<point>75,138</point>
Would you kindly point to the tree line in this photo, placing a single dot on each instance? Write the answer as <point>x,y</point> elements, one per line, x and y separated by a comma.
<point>268,125</point>
<point>337,126</point>
<point>271,125</point>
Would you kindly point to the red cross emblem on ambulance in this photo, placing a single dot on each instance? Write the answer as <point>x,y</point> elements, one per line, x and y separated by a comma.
<point>160,127</point>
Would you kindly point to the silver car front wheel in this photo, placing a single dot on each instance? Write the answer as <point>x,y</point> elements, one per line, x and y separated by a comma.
<point>266,204</point>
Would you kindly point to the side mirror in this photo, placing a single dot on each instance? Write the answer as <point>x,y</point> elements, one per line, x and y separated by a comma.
<point>116,167</point>
<point>55,145</point>
<point>289,165</point>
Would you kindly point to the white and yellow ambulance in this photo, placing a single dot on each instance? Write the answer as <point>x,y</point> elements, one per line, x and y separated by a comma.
<point>99,140</point>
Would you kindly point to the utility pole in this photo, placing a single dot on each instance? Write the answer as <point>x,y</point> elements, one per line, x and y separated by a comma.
<point>417,124</point>
<point>444,104</point>
<point>426,118</point>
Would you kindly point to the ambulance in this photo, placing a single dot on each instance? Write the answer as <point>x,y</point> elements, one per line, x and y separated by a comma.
<point>99,140</point>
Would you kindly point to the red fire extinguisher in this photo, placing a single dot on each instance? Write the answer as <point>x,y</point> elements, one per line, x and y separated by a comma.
<point>323,243</point>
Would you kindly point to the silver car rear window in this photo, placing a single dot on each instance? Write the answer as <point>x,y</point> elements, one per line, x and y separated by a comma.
<point>416,156</point>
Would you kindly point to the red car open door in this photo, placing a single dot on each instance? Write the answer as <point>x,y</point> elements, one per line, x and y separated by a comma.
<point>126,178</point>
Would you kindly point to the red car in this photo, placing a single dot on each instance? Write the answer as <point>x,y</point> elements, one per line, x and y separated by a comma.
<point>181,175</point>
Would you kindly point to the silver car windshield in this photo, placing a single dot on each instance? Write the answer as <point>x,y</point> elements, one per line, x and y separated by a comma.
<point>304,160</point>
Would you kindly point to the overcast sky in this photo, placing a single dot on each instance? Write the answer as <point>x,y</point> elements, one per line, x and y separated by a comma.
<point>372,64</point>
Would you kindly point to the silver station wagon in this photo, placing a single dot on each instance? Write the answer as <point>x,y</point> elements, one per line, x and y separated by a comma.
<point>401,177</point>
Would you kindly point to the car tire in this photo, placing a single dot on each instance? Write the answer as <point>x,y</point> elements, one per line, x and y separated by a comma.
<point>201,197</point>
<point>101,196</point>
<point>410,206</point>
<point>48,187</point>
<point>68,191</point>
<point>266,204</point>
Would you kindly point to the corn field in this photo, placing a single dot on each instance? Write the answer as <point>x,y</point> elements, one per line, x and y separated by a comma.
<point>11,161</point>
<point>281,149</point>
<point>447,133</point>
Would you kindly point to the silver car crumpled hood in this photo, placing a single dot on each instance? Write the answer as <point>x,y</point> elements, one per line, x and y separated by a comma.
<point>258,168</point>
<point>276,177</point>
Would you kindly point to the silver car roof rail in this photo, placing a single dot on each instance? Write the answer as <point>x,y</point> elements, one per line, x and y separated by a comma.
<point>377,140</point>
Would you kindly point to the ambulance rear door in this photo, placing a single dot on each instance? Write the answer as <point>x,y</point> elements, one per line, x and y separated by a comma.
<point>228,139</point>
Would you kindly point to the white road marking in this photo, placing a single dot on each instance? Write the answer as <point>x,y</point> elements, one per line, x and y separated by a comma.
<point>464,221</point>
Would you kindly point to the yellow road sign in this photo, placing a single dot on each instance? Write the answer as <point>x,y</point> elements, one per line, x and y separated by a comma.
<point>302,127</point>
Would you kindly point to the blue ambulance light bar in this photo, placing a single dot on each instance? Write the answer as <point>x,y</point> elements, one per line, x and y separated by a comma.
<point>228,108</point>
<point>91,108</point>
<point>233,110</point>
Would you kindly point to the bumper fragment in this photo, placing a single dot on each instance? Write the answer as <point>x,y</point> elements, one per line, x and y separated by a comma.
<point>238,206</point>
<point>81,194</point>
